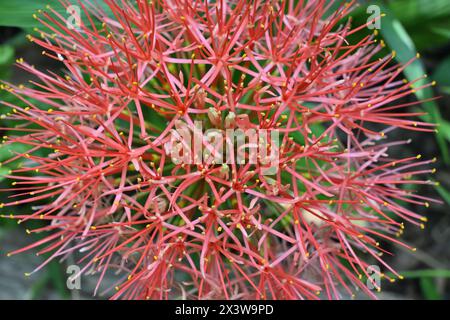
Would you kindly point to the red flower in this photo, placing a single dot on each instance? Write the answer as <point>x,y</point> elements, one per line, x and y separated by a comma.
<point>99,163</point>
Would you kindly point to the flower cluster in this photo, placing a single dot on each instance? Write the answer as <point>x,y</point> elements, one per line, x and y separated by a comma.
<point>98,169</point>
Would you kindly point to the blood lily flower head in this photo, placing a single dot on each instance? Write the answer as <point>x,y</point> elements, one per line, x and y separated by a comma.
<point>99,170</point>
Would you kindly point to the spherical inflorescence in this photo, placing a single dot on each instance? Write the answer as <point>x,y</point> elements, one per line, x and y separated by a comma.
<point>100,166</point>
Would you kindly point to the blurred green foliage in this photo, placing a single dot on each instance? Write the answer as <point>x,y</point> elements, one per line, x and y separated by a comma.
<point>409,26</point>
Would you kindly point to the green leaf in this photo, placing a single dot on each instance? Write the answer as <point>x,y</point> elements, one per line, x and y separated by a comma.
<point>56,275</point>
<point>441,75</point>
<point>4,171</point>
<point>445,128</point>
<point>20,13</point>
<point>445,194</point>
<point>410,12</point>
<point>445,89</point>
<point>6,54</point>
<point>428,22</point>
<point>10,150</point>
<point>426,277</point>
<point>442,31</point>
<point>429,289</point>
<point>427,273</point>
<point>6,58</point>
<point>398,39</point>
